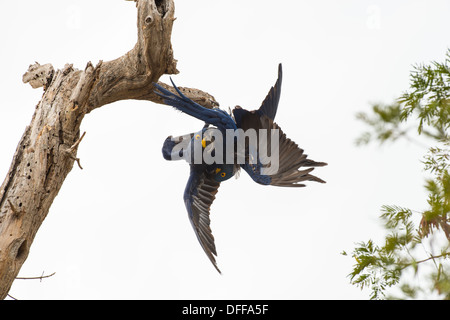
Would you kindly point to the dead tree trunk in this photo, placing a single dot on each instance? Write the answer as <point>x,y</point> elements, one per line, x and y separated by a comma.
<point>47,150</point>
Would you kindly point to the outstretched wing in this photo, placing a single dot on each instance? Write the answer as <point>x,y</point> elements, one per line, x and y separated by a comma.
<point>199,195</point>
<point>215,117</point>
<point>270,104</point>
<point>268,107</point>
<point>293,166</point>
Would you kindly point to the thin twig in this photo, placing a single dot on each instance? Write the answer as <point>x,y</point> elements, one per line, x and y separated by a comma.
<point>72,148</point>
<point>36,278</point>
<point>434,257</point>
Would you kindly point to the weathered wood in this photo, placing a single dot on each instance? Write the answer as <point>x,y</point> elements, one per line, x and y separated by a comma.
<point>38,75</point>
<point>47,150</point>
<point>37,173</point>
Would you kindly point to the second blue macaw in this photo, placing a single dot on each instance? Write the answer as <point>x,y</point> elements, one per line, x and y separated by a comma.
<point>205,177</point>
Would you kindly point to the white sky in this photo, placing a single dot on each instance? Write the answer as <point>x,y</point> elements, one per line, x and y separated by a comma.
<point>119,229</point>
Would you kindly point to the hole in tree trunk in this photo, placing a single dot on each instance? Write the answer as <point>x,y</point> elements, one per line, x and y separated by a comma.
<point>161,6</point>
<point>22,251</point>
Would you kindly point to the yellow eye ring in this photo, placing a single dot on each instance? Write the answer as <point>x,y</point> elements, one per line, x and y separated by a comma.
<point>197,137</point>
<point>223,174</point>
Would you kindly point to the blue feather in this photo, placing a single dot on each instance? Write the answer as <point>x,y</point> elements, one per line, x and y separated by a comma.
<point>254,171</point>
<point>216,117</point>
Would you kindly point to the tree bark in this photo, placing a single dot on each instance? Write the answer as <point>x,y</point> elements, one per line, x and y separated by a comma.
<point>47,150</point>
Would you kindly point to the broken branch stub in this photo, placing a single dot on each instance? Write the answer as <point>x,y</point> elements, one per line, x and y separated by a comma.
<point>38,76</point>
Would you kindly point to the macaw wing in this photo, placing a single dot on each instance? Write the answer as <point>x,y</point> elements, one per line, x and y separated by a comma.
<point>270,104</point>
<point>268,107</point>
<point>292,167</point>
<point>179,101</point>
<point>199,195</point>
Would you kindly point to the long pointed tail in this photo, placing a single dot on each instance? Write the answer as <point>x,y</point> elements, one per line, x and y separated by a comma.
<point>179,101</point>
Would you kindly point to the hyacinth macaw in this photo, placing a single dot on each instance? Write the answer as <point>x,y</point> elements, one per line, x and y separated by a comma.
<point>205,178</point>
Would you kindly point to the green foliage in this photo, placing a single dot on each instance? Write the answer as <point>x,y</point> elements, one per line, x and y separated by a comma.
<point>409,248</point>
<point>429,98</point>
<point>437,162</point>
<point>427,101</point>
<point>385,123</point>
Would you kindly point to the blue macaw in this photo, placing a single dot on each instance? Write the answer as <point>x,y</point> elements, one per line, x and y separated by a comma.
<point>205,178</point>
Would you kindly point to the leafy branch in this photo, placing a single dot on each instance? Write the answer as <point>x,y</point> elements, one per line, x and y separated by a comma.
<point>427,102</point>
<point>427,106</point>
